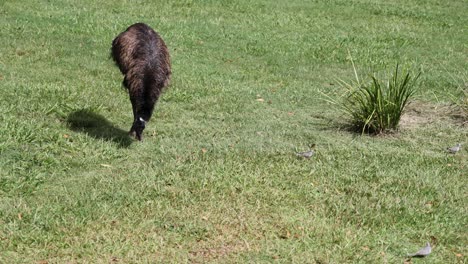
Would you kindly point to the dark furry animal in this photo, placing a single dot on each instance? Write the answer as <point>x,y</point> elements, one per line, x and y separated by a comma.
<point>142,56</point>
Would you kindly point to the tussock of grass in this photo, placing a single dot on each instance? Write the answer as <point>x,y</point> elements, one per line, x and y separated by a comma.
<point>460,97</point>
<point>377,106</point>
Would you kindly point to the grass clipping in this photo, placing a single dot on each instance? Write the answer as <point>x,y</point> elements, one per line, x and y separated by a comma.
<point>376,106</point>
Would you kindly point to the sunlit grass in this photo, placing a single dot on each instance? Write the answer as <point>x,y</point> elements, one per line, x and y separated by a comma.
<point>216,178</point>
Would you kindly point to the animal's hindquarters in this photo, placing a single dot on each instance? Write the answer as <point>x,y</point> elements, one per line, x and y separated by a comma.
<point>143,59</point>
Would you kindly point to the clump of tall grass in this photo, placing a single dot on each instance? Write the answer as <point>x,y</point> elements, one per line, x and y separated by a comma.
<point>463,106</point>
<point>460,99</point>
<point>460,103</point>
<point>376,106</point>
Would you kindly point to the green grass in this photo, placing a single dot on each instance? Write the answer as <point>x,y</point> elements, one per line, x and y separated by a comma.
<point>216,178</point>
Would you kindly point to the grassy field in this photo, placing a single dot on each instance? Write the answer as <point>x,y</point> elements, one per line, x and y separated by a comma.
<point>216,178</point>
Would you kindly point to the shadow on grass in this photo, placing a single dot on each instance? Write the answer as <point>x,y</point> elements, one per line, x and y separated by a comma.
<point>98,127</point>
<point>326,122</point>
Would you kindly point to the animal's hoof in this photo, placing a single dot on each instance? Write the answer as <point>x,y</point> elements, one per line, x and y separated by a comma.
<point>136,135</point>
<point>139,137</point>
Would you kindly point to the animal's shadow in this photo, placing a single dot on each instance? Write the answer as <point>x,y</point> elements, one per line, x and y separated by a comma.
<point>98,127</point>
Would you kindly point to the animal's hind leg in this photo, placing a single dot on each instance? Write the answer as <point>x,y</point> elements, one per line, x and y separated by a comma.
<point>142,113</point>
<point>137,98</point>
<point>145,109</point>
<point>132,129</point>
<point>139,120</point>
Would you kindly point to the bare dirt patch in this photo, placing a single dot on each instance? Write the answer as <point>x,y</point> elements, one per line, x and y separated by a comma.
<point>420,113</point>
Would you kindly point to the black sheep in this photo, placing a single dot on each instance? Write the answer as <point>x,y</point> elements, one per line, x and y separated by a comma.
<point>142,56</point>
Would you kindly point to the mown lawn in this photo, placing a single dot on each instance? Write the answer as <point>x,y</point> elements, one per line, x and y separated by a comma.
<point>216,178</point>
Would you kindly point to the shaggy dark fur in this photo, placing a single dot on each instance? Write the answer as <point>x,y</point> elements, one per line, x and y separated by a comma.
<point>143,58</point>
